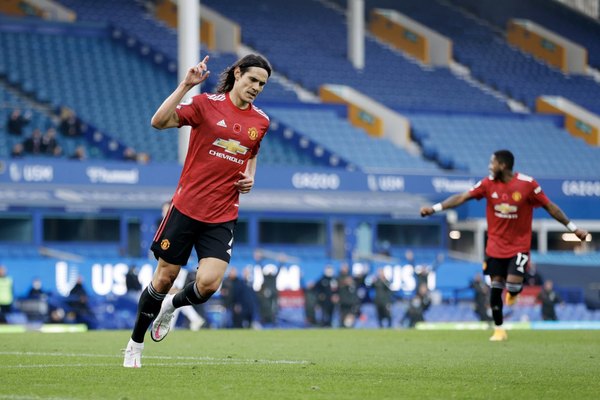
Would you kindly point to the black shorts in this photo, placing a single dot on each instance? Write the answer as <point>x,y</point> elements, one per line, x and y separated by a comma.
<point>178,234</point>
<point>516,265</point>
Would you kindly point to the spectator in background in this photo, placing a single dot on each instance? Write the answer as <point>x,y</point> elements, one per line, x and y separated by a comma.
<point>349,302</point>
<point>18,151</point>
<point>33,144</point>
<point>36,292</point>
<point>310,304</point>
<point>58,151</point>
<point>132,280</point>
<point>384,299</point>
<point>422,271</point>
<point>326,289</point>
<point>549,299</point>
<point>238,298</point>
<point>6,293</point>
<point>481,298</point>
<point>129,154</point>
<point>17,121</point>
<point>69,126</point>
<point>79,302</point>
<point>79,154</point>
<point>143,158</point>
<point>417,307</point>
<point>268,294</point>
<point>532,276</point>
<point>35,305</point>
<point>49,143</point>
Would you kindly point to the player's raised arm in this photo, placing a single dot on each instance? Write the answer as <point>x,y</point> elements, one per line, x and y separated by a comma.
<point>451,202</point>
<point>165,116</point>
<point>560,216</point>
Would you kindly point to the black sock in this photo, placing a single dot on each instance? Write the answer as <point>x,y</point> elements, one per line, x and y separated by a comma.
<point>188,296</point>
<point>148,308</point>
<point>496,304</point>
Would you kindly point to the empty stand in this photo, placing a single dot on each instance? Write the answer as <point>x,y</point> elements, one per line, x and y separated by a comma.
<point>339,137</point>
<point>314,53</point>
<point>492,60</point>
<point>541,148</point>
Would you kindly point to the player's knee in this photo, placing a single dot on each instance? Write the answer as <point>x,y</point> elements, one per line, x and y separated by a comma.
<point>514,288</point>
<point>208,286</point>
<point>163,280</point>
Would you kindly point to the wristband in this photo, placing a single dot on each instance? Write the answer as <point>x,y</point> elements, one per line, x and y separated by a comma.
<point>572,227</point>
<point>437,207</point>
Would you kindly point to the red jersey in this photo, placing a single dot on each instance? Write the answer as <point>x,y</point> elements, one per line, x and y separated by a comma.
<point>222,140</point>
<point>509,213</point>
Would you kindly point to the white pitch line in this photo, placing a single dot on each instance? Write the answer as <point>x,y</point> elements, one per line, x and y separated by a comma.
<point>28,397</point>
<point>188,364</point>
<point>203,360</point>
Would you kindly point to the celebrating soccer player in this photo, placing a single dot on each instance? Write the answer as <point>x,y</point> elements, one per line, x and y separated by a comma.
<point>220,164</point>
<point>511,198</point>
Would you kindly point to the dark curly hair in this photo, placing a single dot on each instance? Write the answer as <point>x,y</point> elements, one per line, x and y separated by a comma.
<point>505,157</point>
<point>227,78</point>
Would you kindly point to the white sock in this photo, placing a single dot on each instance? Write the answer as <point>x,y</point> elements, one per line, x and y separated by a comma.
<point>135,344</point>
<point>168,303</point>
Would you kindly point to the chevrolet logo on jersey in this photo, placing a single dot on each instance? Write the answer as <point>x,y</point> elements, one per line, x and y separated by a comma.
<point>231,146</point>
<point>504,210</point>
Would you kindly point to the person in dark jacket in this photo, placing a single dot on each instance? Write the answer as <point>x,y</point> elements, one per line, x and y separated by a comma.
<point>384,299</point>
<point>549,299</point>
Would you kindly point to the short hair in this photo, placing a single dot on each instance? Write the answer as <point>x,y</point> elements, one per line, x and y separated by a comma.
<point>505,157</point>
<point>227,77</point>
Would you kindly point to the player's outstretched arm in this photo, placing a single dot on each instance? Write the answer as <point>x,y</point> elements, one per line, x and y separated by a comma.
<point>451,202</point>
<point>560,216</point>
<point>165,116</point>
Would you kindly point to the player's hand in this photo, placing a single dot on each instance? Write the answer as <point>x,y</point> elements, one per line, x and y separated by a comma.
<point>245,183</point>
<point>581,234</point>
<point>426,211</point>
<point>198,74</point>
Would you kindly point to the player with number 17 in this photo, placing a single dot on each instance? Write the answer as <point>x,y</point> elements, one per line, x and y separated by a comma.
<point>511,198</point>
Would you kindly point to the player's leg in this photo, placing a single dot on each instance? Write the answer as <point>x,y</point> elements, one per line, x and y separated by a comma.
<point>496,268</point>
<point>208,279</point>
<point>171,246</point>
<point>516,273</point>
<point>498,285</point>
<point>148,308</point>
<point>213,245</point>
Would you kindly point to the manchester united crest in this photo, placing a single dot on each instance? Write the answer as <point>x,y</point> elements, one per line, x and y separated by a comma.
<point>517,196</point>
<point>253,133</point>
<point>165,244</point>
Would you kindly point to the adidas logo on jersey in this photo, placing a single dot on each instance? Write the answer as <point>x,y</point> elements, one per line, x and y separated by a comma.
<point>222,123</point>
<point>494,195</point>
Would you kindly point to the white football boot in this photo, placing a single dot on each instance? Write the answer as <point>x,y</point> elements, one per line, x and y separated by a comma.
<point>133,355</point>
<point>162,323</point>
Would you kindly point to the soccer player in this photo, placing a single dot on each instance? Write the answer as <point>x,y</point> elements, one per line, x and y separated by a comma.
<point>511,198</point>
<point>220,164</point>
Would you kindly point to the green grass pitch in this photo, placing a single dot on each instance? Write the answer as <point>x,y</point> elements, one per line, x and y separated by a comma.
<point>304,364</point>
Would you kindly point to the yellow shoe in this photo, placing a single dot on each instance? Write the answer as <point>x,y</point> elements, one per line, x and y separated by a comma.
<point>510,300</point>
<point>499,335</point>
